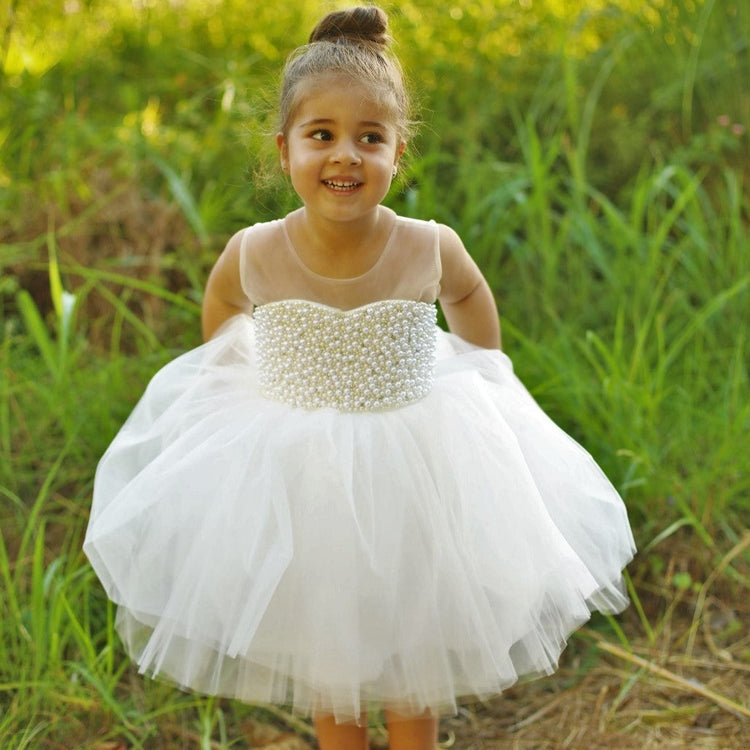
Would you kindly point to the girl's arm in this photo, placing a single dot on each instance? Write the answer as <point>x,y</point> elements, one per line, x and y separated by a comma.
<point>224,297</point>
<point>465,297</point>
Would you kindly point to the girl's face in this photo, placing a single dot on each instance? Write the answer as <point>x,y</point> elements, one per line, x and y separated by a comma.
<point>340,149</point>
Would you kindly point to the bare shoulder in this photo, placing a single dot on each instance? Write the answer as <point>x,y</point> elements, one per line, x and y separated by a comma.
<point>255,239</point>
<point>231,250</point>
<point>449,239</point>
<point>226,269</point>
<point>453,253</point>
<point>224,280</point>
<point>460,274</point>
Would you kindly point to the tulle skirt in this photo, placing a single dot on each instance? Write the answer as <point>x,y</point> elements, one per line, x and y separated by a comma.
<point>325,560</point>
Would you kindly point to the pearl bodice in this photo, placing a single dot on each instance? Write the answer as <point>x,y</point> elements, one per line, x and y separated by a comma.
<point>379,356</point>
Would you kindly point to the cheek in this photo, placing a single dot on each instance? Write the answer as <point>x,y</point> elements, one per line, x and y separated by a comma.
<point>307,157</point>
<point>299,165</point>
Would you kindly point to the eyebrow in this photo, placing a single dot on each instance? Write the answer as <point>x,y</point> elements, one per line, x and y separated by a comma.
<point>328,121</point>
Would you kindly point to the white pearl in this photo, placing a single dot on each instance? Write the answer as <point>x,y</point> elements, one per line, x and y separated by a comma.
<point>380,356</point>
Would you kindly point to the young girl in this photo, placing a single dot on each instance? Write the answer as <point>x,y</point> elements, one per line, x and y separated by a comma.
<point>332,503</point>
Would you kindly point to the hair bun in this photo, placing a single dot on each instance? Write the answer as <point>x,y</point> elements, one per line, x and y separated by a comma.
<point>363,24</point>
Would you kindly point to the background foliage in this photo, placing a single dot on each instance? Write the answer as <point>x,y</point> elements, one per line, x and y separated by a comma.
<point>593,155</point>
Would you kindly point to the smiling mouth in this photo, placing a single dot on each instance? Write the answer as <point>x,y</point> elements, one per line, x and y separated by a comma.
<point>343,186</point>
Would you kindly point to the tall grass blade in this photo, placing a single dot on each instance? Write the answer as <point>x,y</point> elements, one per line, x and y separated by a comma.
<point>38,330</point>
<point>183,197</point>
<point>33,523</point>
<point>691,67</point>
<point>701,317</point>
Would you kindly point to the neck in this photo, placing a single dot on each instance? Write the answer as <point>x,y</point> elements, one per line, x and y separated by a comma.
<point>340,249</point>
<point>334,236</point>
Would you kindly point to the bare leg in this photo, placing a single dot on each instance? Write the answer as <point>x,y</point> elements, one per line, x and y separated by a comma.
<point>412,732</point>
<point>333,736</point>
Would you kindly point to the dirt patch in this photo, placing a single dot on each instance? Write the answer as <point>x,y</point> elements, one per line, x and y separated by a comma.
<point>107,233</point>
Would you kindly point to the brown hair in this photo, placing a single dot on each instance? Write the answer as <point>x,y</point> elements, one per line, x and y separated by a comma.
<point>353,43</point>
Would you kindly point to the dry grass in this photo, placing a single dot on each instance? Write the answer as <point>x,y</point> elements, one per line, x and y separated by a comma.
<point>686,684</point>
<point>613,706</point>
<point>111,230</point>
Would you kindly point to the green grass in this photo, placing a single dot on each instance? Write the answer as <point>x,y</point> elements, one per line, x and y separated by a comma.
<point>590,168</point>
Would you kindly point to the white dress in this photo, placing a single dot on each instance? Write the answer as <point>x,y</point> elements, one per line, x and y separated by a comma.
<point>327,507</point>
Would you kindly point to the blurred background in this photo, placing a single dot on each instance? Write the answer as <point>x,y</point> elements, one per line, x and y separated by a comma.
<point>593,155</point>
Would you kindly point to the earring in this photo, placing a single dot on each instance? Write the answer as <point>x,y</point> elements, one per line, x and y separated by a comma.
<point>395,170</point>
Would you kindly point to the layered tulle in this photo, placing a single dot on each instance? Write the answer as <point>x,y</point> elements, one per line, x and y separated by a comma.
<point>325,560</point>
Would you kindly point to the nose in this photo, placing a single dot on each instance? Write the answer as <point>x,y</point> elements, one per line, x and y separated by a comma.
<point>346,153</point>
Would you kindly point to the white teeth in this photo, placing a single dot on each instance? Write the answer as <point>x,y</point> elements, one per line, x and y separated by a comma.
<point>341,185</point>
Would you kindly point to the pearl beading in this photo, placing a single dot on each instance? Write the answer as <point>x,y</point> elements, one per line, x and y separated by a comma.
<point>379,356</point>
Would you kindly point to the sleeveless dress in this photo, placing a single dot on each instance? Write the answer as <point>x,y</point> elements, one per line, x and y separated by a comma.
<point>334,503</point>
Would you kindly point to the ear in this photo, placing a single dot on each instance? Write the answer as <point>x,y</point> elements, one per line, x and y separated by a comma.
<point>281,144</point>
<point>399,151</point>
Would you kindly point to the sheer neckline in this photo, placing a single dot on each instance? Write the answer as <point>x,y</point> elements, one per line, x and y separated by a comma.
<point>333,279</point>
